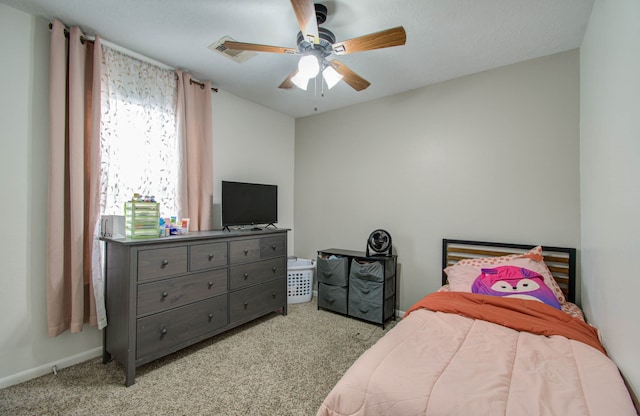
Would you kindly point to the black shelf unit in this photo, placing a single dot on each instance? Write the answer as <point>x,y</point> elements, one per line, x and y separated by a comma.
<point>356,285</point>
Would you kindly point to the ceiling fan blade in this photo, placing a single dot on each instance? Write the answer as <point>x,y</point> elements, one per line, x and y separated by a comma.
<point>287,84</point>
<point>354,80</point>
<point>306,14</point>
<point>241,46</point>
<point>383,39</point>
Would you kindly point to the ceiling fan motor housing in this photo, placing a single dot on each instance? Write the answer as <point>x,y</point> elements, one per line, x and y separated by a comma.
<point>321,13</point>
<point>324,48</point>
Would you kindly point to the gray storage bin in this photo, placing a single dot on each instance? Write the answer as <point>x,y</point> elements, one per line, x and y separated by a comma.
<point>332,297</point>
<point>364,290</point>
<point>333,271</point>
<point>366,270</point>
<point>372,311</point>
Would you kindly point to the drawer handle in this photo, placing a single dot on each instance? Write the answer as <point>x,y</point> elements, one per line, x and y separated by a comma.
<point>246,251</point>
<point>364,310</point>
<point>273,295</point>
<point>274,268</point>
<point>246,304</point>
<point>210,316</point>
<point>165,262</point>
<point>164,331</point>
<point>327,274</point>
<point>210,284</point>
<point>273,247</point>
<point>246,275</point>
<point>366,291</point>
<point>165,294</point>
<point>211,256</point>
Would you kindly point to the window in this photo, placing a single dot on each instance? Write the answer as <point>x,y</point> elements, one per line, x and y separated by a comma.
<point>138,133</point>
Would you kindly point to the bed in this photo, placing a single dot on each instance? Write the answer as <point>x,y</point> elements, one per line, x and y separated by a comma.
<point>502,336</point>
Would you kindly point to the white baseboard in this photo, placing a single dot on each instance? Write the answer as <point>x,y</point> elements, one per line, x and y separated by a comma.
<point>46,368</point>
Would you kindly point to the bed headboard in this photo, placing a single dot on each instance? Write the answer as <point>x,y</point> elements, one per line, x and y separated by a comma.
<point>560,260</point>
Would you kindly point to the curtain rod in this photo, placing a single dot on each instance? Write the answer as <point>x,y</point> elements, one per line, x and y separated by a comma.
<point>84,39</point>
<point>66,35</point>
<point>191,81</point>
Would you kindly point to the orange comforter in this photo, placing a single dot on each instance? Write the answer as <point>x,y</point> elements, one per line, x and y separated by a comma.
<point>519,314</point>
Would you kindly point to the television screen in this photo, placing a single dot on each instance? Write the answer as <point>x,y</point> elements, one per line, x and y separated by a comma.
<point>249,203</point>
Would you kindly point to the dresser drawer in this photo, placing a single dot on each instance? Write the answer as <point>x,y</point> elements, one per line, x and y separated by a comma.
<point>170,293</point>
<point>207,256</point>
<point>252,273</point>
<point>244,250</point>
<point>272,247</point>
<point>165,330</point>
<point>161,262</point>
<point>257,300</point>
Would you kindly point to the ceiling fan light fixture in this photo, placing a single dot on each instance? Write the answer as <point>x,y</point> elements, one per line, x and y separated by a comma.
<point>300,80</point>
<point>331,76</point>
<point>308,66</point>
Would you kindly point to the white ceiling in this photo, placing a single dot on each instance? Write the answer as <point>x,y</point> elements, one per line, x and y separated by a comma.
<point>446,39</point>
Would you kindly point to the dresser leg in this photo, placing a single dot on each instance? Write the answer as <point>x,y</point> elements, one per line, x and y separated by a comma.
<point>131,377</point>
<point>106,356</point>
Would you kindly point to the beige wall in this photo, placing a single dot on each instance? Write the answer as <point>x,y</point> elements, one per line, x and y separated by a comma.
<point>258,145</point>
<point>610,169</point>
<point>254,144</point>
<point>492,156</point>
<point>25,348</point>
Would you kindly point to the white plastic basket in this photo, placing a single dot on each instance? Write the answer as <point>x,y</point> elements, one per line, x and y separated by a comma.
<point>300,280</point>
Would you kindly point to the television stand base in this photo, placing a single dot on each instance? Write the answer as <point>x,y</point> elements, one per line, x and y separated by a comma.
<point>253,228</point>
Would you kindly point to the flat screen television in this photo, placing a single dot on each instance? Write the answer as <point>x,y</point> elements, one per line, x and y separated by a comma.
<point>248,204</point>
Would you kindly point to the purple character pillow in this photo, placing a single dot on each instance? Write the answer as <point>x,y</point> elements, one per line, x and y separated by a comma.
<point>514,282</point>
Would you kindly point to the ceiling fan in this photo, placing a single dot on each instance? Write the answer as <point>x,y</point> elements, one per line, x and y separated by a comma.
<point>317,44</point>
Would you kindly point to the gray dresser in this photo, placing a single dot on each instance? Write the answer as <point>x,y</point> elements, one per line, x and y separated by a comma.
<point>164,294</point>
<point>357,285</point>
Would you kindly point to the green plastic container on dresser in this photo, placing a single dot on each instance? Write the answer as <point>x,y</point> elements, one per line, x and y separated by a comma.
<point>141,219</point>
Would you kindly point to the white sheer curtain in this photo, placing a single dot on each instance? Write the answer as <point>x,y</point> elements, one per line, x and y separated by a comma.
<point>138,140</point>
<point>138,133</point>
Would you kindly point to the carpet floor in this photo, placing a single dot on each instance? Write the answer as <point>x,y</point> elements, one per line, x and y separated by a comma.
<point>276,365</point>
